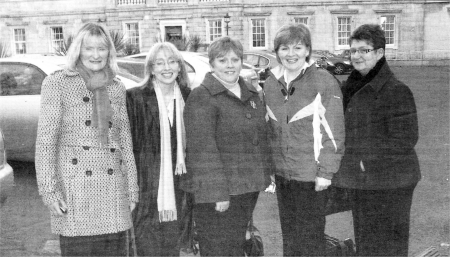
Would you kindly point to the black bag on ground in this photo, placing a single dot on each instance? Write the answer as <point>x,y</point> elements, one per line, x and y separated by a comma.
<point>336,247</point>
<point>253,246</point>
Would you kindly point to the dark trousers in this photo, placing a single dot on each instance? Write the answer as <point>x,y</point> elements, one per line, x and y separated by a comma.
<point>302,217</point>
<point>381,221</point>
<point>159,239</point>
<point>99,245</point>
<point>223,233</point>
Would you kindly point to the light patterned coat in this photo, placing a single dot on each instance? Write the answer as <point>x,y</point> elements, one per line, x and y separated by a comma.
<point>96,182</point>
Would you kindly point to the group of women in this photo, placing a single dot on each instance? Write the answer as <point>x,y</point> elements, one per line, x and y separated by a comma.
<point>156,157</point>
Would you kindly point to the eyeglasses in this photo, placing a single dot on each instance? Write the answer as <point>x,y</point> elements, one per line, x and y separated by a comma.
<point>361,51</point>
<point>161,64</point>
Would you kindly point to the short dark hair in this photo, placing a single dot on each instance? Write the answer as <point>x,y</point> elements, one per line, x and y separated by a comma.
<point>293,34</point>
<point>373,34</point>
<point>221,46</point>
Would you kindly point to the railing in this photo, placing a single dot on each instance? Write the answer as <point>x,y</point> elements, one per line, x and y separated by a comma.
<point>172,1</point>
<point>130,2</point>
<point>208,1</point>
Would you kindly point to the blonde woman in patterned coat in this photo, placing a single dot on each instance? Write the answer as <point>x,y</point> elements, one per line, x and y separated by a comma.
<point>84,159</point>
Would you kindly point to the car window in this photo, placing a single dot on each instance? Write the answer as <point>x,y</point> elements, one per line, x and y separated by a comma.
<point>139,57</point>
<point>263,61</point>
<point>20,79</point>
<point>252,59</point>
<point>189,68</point>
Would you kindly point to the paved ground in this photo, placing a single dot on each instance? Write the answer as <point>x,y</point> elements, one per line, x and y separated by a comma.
<point>25,226</point>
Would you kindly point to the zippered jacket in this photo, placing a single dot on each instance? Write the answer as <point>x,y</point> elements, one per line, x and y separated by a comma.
<point>306,123</point>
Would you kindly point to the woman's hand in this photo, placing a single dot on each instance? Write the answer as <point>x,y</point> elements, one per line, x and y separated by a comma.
<point>322,183</point>
<point>132,206</point>
<point>58,208</point>
<point>222,206</point>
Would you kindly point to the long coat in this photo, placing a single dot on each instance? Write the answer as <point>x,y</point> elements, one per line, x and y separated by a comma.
<point>142,106</point>
<point>227,148</point>
<point>381,132</point>
<point>97,182</point>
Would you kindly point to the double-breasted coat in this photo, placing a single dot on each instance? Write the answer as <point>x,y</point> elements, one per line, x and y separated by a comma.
<point>96,182</point>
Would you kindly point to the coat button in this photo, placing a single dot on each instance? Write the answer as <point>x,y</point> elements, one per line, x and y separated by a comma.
<point>88,123</point>
<point>255,141</point>
<point>88,173</point>
<point>113,150</point>
<point>110,171</point>
<point>86,147</point>
<point>85,99</point>
<point>110,124</point>
<point>349,109</point>
<point>248,115</point>
<point>74,161</point>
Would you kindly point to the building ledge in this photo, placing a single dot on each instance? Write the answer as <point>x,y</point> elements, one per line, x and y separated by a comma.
<point>348,11</point>
<point>388,11</point>
<point>301,13</point>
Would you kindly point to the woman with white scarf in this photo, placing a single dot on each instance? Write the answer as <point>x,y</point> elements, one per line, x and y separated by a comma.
<point>155,110</point>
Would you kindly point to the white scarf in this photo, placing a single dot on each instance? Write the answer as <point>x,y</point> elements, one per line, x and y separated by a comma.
<point>166,191</point>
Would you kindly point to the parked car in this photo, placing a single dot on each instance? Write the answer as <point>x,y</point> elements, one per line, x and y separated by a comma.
<point>6,173</point>
<point>197,65</point>
<point>19,107</point>
<point>341,64</point>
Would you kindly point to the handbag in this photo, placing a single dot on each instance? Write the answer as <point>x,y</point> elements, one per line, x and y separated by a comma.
<point>339,200</point>
<point>253,245</point>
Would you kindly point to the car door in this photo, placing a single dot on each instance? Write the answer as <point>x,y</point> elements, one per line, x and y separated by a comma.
<point>19,107</point>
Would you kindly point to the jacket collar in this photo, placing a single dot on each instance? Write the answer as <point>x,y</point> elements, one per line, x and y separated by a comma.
<point>381,78</point>
<point>215,87</point>
<point>279,70</point>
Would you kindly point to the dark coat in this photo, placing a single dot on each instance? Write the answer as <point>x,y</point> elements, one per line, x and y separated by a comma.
<point>227,148</point>
<point>381,132</point>
<point>143,112</point>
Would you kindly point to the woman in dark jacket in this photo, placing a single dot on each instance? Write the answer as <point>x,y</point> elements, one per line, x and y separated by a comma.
<point>380,164</point>
<point>155,109</point>
<point>226,152</point>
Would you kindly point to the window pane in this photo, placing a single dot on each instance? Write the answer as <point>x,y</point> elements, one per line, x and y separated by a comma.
<point>303,20</point>
<point>343,30</point>
<point>57,38</point>
<point>258,33</point>
<point>132,33</point>
<point>388,25</point>
<point>215,29</point>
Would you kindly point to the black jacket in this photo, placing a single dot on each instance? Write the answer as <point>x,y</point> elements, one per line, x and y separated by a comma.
<point>381,132</point>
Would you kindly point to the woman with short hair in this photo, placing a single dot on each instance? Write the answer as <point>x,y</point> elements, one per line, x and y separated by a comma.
<point>304,105</point>
<point>227,152</point>
<point>84,160</point>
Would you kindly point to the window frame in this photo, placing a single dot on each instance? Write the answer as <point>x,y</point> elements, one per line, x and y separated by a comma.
<point>53,41</point>
<point>294,20</point>
<point>23,42</point>
<point>251,33</point>
<point>394,44</point>
<point>337,31</point>
<point>127,36</point>
<point>208,29</point>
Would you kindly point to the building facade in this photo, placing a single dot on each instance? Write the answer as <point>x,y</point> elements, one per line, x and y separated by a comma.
<point>415,30</point>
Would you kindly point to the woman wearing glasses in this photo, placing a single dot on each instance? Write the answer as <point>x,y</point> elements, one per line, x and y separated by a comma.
<point>380,165</point>
<point>306,120</point>
<point>155,110</point>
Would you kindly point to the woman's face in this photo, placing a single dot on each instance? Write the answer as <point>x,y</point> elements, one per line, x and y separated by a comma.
<point>227,67</point>
<point>293,56</point>
<point>366,61</point>
<point>165,67</point>
<point>94,53</point>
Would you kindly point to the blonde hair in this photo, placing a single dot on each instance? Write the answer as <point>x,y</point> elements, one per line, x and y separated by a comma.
<point>182,78</point>
<point>86,31</point>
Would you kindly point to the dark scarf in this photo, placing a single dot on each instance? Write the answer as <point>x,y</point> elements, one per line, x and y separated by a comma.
<point>356,81</point>
<point>102,111</point>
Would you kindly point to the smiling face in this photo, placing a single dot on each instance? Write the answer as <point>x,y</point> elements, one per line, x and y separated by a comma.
<point>227,67</point>
<point>366,61</point>
<point>94,53</point>
<point>293,56</point>
<point>165,67</point>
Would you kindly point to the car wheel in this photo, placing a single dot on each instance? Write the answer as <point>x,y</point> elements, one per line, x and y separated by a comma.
<point>339,69</point>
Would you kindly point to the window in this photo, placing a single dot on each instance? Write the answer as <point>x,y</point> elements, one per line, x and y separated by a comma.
<point>215,29</point>
<point>258,33</point>
<point>303,20</point>
<point>344,30</point>
<point>20,79</point>
<point>132,34</point>
<point>388,25</point>
<point>57,38</point>
<point>19,41</point>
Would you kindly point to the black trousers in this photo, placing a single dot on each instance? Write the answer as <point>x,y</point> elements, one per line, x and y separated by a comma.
<point>99,245</point>
<point>381,221</point>
<point>223,233</point>
<point>302,217</point>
